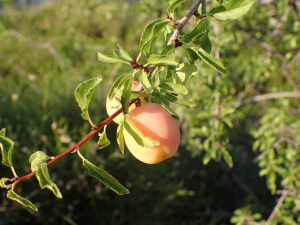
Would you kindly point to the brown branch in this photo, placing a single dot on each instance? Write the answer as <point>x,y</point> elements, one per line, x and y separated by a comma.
<point>70,150</point>
<point>264,97</point>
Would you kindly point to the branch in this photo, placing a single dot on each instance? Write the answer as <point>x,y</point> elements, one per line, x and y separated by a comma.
<point>264,97</point>
<point>279,203</point>
<point>70,150</point>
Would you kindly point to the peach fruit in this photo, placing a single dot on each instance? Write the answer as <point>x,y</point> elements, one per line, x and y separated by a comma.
<point>155,122</point>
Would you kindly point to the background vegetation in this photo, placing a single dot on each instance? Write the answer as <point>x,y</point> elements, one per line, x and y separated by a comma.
<point>46,50</point>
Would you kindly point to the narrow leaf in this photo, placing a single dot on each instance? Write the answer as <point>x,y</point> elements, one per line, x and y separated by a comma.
<point>145,82</point>
<point>126,95</point>
<point>2,132</point>
<point>171,74</point>
<point>148,33</point>
<point>122,54</point>
<point>140,139</point>
<point>197,30</point>
<point>15,197</point>
<point>204,41</point>
<point>210,60</point>
<point>118,84</point>
<point>232,9</point>
<point>7,146</point>
<point>192,55</point>
<point>149,47</point>
<point>45,181</point>
<point>167,49</point>
<point>175,100</point>
<point>103,140</point>
<point>158,98</point>
<point>105,178</point>
<point>110,58</point>
<point>83,95</point>
<point>227,157</point>
<point>173,6</point>
<point>161,60</point>
<point>120,137</point>
<point>176,88</point>
<point>37,158</point>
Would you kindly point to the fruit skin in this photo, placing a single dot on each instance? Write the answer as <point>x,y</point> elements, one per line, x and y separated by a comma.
<point>154,122</point>
<point>113,105</point>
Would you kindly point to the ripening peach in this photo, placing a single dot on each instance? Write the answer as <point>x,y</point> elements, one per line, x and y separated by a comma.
<point>113,105</point>
<point>154,122</point>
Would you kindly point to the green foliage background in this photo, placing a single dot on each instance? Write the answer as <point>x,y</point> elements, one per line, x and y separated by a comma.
<point>46,50</point>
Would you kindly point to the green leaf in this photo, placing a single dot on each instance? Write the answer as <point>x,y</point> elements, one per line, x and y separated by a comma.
<point>170,74</point>
<point>232,9</point>
<point>110,58</point>
<point>178,101</point>
<point>7,146</point>
<point>83,95</point>
<point>186,72</point>
<point>167,49</point>
<point>148,33</point>
<point>192,55</point>
<point>105,178</point>
<point>175,88</point>
<point>15,197</point>
<point>120,136</point>
<point>161,60</point>
<point>145,82</point>
<point>210,60</point>
<point>126,95</point>
<point>227,157</point>
<point>149,47</point>
<point>45,181</point>
<point>140,139</point>
<point>197,30</point>
<point>2,132</point>
<point>3,181</point>
<point>204,41</point>
<point>37,158</point>
<point>173,6</point>
<point>122,54</point>
<point>118,84</point>
<point>103,140</point>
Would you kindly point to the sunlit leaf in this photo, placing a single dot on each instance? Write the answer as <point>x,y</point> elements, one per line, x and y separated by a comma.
<point>210,60</point>
<point>15,197</point>
<point>197,30</point>
<point>7,146</point>
<point>110,58</point>
<point>186,72</point>
<point>120,136</point>
<point>175,100</point>
<point>105,178</point>
<point>176,88</point>
<point>140,139</point>
<point>118,84</point>
<point>167,49</point>
<point>173,6</point>
<point>3,181</point>
<point>122,54</point>
<point>126,95</point>
<point>161,60</point>
<point>83,95</point>
<point>145,82</point>
<point>192,55</point>
<point>45,181</point>
<point>148,33</point>
<point>232,9</point>
<point>37,158</point>
<point>133,95</point>
<point>103,140</point>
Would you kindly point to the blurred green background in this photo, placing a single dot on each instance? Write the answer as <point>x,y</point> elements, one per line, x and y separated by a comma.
<point>47,49</point>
